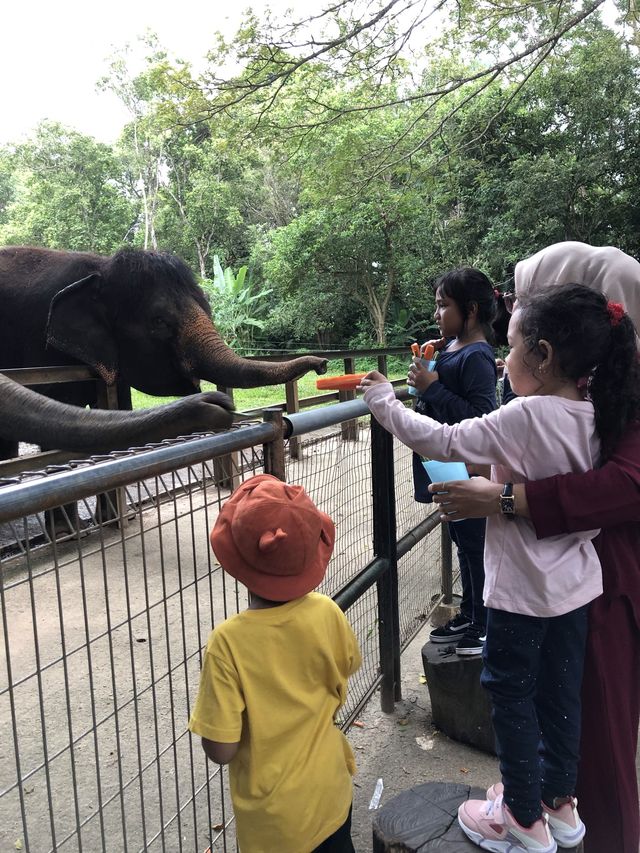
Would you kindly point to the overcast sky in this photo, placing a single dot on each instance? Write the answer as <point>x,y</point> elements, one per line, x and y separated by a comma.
<point>54,51</point>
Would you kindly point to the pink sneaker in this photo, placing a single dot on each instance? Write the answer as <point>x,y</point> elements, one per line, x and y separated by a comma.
<point>564,822</point>
<point>490,825</point>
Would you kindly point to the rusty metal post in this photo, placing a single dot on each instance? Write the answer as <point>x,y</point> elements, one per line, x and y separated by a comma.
<point>446,568</point>
<point>274,450</point>
<point>385,547</point>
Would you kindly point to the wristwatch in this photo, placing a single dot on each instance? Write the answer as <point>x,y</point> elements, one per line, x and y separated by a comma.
<point>508,502</point>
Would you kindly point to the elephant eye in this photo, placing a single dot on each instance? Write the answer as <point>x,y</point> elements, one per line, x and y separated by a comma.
<point>159,323</point>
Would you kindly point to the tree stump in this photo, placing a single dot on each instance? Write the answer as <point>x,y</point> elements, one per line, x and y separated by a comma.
<point>460,707</point>
<point>424,819</point>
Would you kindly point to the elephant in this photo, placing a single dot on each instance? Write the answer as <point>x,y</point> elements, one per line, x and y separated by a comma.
<point>136,317</point>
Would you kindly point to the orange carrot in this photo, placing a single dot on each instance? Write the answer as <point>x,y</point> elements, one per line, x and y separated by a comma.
<point>346,382</point>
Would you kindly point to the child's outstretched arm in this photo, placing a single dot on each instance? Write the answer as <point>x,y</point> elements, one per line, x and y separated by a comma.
<point>221,753</point>
<point>487,440</point>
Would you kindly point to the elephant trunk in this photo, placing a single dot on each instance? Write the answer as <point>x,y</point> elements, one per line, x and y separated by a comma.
<point>206,356</point>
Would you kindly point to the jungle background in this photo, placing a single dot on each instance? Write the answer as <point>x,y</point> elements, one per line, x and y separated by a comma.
<point>319,173</point>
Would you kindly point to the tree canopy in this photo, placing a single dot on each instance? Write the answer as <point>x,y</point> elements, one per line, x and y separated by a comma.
<point>348,158</point>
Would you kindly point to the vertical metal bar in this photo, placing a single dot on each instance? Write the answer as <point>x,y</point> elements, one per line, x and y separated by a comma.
<point>67,690</point>
<point>132,657</point>
<point>112,664</point>
<point>274,450</point>
<point>92,689</point>
<point>293,405</point>
<point>167,638</point>
<point>446,567</point>
<point>41,703</point>
<point>178,559</point>
<point>12,702</point>
<point>194,568</point>
<point>382,364</point>
<point>384,545</point>
<point>152,671</point>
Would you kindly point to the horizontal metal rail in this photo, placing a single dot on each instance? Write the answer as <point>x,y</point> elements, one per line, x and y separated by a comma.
<point>303,422</point>
<point>357,586</point>
<point>29,497</point>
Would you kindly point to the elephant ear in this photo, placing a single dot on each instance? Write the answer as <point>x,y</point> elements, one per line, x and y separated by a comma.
<point>78,325</point>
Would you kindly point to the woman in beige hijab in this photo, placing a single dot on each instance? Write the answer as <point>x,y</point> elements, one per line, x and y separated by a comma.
<point>606,498</point>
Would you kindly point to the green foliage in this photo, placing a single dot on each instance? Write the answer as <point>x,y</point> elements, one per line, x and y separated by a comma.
<point>64,193</point>
<point>237,309</point>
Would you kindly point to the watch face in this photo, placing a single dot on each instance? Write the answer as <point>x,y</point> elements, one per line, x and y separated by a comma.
<point>508,504</point>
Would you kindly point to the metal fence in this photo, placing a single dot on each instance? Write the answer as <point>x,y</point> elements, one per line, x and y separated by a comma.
<point>103,630</point>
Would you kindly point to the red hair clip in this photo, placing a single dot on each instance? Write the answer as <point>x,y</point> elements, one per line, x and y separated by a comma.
<point>616,312</point>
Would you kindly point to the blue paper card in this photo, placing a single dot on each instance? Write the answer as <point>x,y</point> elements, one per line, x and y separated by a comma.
<point>440,472</point>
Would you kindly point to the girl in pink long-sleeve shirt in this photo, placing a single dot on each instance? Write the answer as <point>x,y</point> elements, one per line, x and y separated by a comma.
<point>536,591</point>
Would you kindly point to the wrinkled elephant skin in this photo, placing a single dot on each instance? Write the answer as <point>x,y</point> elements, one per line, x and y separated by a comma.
<point>135,317</point>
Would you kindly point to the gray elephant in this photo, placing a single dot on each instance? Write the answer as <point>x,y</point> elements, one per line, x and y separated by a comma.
<point>136,317</point>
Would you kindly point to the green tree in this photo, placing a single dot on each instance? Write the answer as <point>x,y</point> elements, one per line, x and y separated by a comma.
<point>65,193</point>
<point>375,48</point>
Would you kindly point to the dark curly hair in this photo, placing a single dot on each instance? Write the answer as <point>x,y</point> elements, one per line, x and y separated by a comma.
<point>467,286</point>
<point>588,344</point>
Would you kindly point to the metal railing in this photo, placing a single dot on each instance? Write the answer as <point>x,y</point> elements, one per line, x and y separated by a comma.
<point>103,631</point>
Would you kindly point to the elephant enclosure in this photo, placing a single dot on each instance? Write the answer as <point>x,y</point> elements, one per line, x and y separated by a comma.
<point>102,634</point>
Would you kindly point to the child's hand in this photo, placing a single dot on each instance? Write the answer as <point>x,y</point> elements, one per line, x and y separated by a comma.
<point>420,377</point>
<point>373,378</point>
<point>436,343</point>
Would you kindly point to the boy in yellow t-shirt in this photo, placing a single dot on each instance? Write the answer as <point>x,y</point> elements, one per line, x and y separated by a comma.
<point>275,675</point>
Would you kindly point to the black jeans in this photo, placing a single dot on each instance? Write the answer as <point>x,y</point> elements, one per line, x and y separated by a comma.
<point>533,671</point>
<point>468,536</point>
<point>340,841</point>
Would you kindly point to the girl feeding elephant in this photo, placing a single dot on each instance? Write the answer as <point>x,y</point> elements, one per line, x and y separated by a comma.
<point>536,591</point>
<point>607,497</point>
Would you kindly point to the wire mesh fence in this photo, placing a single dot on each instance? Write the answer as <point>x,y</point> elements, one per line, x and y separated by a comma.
<point>103,629</point>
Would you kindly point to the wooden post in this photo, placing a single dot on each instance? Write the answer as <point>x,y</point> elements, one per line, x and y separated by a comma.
<point>293,406</point>
<point>349,429</point>
<point>226,469</point>
<point>274,450</point>
<point>113,505</point>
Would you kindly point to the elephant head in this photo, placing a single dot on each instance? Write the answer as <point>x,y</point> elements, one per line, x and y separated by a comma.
<point>141,316</point>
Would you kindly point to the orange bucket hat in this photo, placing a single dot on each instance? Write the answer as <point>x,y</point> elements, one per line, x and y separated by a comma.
<point>272,538</point>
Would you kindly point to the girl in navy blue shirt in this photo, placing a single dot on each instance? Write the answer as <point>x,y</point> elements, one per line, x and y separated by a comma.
<point>463,385</point>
